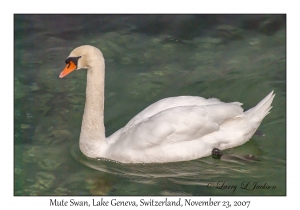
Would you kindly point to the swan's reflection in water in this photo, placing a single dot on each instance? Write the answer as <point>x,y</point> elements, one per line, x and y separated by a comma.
<point>204,176</point>
<point>154,170</point>
<point>195,172</point>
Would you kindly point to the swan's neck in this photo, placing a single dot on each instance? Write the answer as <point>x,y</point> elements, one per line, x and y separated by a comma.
<point>92,136</point>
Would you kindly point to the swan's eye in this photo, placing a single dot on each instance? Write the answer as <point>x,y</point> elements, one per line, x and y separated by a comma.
<point>73,59</point>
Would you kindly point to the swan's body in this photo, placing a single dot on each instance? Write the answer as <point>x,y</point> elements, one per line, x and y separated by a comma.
<point>172,129</point>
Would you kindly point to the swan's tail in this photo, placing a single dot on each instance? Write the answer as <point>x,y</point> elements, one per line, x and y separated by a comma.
<point>261,109</point>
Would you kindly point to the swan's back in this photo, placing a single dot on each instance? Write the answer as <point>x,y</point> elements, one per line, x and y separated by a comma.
<point>168,103</point>
<point>172,109</point>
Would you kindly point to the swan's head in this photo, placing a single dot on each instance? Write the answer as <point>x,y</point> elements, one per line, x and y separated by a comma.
<point>81,58</point>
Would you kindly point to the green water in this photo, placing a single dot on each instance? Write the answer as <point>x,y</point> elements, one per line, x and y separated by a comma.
<point>142,68</point>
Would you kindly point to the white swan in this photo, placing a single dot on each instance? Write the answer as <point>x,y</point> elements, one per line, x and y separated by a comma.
<point>172,129</point>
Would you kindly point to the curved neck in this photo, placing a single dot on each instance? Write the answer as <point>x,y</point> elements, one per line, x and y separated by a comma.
<point>92,136</point>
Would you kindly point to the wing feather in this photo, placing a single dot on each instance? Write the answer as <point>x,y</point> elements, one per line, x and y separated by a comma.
<point>183,123</point>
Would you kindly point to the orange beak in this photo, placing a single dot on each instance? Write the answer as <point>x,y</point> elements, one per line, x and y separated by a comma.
<point>68,69</point>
